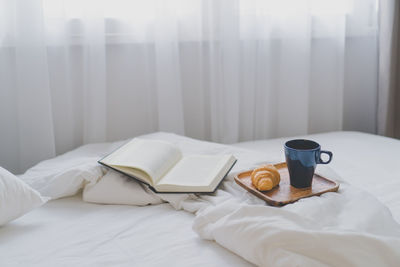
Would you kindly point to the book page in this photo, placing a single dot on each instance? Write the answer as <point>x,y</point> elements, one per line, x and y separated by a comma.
<point>196,173</point>
<point>137,173</point>
<point>153,157</point>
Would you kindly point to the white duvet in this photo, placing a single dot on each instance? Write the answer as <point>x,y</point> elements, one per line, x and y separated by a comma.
<point>348,228</point>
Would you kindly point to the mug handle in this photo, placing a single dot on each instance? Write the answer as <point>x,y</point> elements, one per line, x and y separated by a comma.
<point>320,161</point>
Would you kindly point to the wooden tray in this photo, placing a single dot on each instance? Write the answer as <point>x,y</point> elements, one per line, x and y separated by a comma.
<point>284,193</point>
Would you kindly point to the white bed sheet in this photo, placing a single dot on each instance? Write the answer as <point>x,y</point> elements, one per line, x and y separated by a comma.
<point>367,161</point>
<point>70,232</point>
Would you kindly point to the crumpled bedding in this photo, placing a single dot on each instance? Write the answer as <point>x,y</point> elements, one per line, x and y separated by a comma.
<point>348,228</point>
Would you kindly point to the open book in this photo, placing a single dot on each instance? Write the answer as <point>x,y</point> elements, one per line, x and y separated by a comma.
<point>162,166</point>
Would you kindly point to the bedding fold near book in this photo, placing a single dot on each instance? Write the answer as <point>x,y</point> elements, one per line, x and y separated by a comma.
<point>163,167</point>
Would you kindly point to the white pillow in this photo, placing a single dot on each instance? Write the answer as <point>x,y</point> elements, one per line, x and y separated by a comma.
<point>115,188</point>
<point>16,197</point>
<point>66,174</point>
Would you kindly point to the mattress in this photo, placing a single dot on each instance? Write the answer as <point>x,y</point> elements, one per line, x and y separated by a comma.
<point>68,231</point>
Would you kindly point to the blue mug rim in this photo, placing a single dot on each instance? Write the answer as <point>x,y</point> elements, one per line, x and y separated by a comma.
<point>318,146</point>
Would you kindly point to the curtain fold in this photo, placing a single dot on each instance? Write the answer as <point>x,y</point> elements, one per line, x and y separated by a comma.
<point>94,72</point>
<point>389,69</point>
<point>76,72</point>
<point>27,121</point>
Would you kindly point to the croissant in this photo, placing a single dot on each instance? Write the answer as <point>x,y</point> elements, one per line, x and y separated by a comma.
<point>265,177</point>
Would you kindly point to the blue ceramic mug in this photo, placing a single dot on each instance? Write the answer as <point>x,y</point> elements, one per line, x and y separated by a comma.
<point>302,157</point>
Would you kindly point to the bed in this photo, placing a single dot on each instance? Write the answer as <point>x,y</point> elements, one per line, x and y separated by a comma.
<point>69,231</point>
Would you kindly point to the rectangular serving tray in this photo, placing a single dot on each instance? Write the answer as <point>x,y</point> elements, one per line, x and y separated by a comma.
<point>284,193</point>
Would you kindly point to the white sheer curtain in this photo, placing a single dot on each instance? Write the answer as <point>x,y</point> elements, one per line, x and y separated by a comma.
<point>75,72</point>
